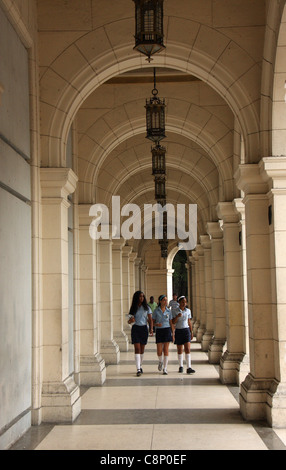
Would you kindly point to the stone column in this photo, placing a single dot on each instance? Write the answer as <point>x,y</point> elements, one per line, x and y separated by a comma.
<point>263,393</point>
<point>132,258</point>
<point>118,313</point>
<point>108,347</point>
<point>244,366</point>
<point>202,328</point>
<point>126,250</point>
<point>233,356</point>
<point>92,365</point>
<point>193,301</point>
<point>208,334</point>
<point>60,395</point>
<point>144,271</point>
<point>137,274</point>
<point>219,338</point>
<point>196,314</point>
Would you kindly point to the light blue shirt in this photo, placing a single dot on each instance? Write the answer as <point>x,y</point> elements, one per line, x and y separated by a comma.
<point>162,317</point>
<point>183,320</point>
<point>141,317</point>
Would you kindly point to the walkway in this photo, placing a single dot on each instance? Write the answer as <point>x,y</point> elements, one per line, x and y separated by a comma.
<point>156,412</point>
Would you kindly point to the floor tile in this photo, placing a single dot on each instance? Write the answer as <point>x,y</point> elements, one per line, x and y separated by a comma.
<point>120,437</point>
<point>156,412</point>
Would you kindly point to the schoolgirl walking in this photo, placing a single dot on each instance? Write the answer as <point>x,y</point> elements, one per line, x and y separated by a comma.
<point>139,315</point>
<point>183,333</point>
<point>162,320</point>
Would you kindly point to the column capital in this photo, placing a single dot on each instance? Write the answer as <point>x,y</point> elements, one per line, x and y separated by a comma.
<point>57,182</point>
<point>126,250</point>
<point>205,241</point>
<point>240,208</point>
<point>138,261</point>
<point>83,214</point>
<point>118,244</point>
<point>133,256</point>
<point>227,212</point>
<point>249,180</point>
<point>273,172</point>
<point>214,230</point>
<point>200,250</point>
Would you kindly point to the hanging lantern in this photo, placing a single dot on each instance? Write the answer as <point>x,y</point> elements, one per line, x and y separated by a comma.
<point>155,116</point>
<point>158,160</point>
<point>149,27</point>
<point>160,188</point>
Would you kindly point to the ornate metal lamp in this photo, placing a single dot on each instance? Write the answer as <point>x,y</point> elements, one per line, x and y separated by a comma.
<point>160,188</point>
<point>158,160</point>
<point>164,242</point>
<point>155,116</point>
<point>149,27</point>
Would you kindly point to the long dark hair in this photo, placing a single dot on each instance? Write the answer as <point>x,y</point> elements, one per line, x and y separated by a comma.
<point>135,303</point>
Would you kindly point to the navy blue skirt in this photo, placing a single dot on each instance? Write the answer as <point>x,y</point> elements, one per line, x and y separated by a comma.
<point>164,335</point>
<point>182,336</point>
<point>139,334</point>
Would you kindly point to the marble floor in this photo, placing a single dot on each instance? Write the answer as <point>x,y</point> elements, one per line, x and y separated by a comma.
<point>157,412</point>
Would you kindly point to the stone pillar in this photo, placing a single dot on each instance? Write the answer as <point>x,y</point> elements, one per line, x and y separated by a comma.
<point>137,274</point>
<point>127,297</point>
<point>219,338</point>
<point>202,328</point>
<point>263,393</point>
<point>118,313</point>
<point>144,285</point>
<point>108,347</point>
<point>208,334</point>
<point>188,266</point>
<point>92,366</point>
<point>244,366</point>
<point>233,356</point>
<point>193,300</point>
<point>196,320</point>
<point>132,259</point>
<point>60,394</point>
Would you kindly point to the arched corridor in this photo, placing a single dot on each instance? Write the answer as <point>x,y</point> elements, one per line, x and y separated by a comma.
<point>78,235</point>
<point>155,412</point>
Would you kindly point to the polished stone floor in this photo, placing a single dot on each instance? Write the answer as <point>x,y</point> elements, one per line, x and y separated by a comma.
<point>157,412</point>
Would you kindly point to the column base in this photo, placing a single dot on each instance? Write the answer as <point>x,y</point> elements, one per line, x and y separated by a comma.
<point>243,370</point>
<point>122,340</point>
<point>61,402</point>
<point>92,370</point>
<point>200,333</point>
<point>276,409</point>
<point>127,332</point>
<point>110,352</point>
<point>229,367</point>
<point>216,350</point>
<point>206,340</point>
<point>196,327</point>
<point>262,399</point>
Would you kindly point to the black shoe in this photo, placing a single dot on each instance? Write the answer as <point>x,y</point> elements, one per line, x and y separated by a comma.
<point>141,370</point>
<point>181,369</point>
<point>190,371</point>
<point>138,373</point>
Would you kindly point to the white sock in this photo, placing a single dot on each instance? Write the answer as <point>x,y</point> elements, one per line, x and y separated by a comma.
<point>188,361</point>
<point>181,359</point>
<point>160,358</point>
<point>141,358</point>
<point>166,358</point>
<point>137,360</point>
